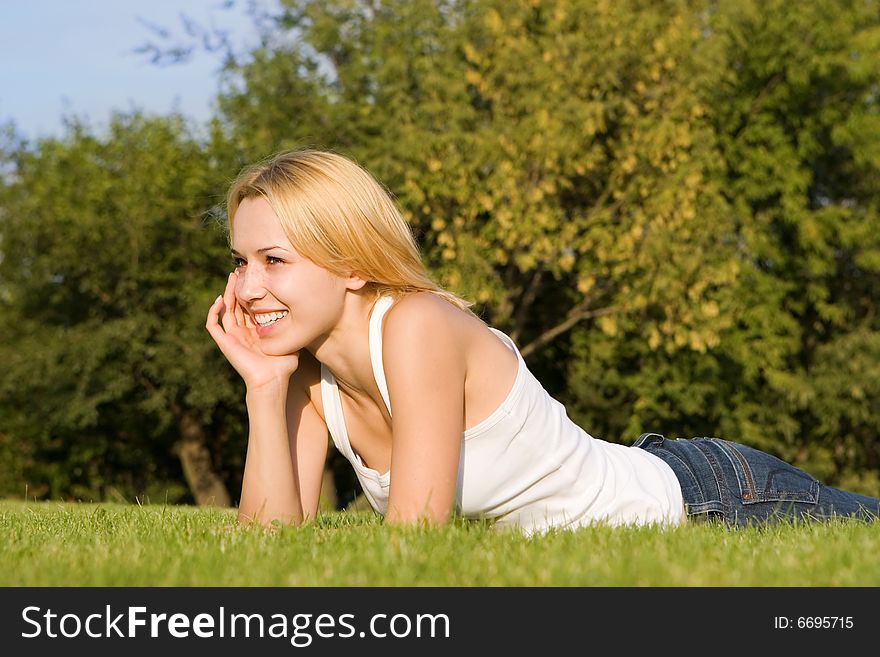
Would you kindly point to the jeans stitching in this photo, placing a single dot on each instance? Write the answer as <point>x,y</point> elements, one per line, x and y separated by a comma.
<point>744,477</point>
<point>754,495</point>
<point>706,505</point>
<point>691,457</point>
<point>720,479</point>
<point>694,479</point>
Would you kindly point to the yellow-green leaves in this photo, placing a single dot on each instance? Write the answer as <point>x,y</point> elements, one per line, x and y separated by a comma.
<point>672,206</point>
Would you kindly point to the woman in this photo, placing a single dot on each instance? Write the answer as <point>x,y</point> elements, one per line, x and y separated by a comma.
<point>332,321</point>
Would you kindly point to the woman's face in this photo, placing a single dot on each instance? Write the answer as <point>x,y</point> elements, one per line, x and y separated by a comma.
<point>273,277</point>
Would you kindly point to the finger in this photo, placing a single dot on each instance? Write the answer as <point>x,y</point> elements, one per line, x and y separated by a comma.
<point>213,320</point>
<point>221,338</point>
<point>242,316</point>
<point>229,304</point>
<point>249,322</point>
<point>239,314</point>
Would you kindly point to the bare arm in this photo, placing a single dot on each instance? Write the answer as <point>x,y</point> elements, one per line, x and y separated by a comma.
<point>269,489</point>
<point>287,439</point>
<point>426,387</point>
<point>308,440</point>
<point>287,447</point>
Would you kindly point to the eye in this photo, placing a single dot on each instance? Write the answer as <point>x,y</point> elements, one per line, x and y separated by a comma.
<point>273,260</point>
<point>238,262</point>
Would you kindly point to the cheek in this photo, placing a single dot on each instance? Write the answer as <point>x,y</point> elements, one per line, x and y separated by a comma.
<point>283,282</point>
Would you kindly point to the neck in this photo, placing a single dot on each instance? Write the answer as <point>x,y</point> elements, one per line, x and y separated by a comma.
<point>345,351</point>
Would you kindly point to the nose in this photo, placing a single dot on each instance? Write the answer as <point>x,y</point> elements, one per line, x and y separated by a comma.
<point>249,285</point>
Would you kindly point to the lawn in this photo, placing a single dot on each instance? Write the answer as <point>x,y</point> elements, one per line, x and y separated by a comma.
<point>77,544</point>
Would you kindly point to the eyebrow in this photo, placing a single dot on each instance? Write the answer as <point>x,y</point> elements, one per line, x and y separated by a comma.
<point>263,250</point>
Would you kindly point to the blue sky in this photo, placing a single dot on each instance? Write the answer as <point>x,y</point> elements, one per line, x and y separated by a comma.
<point>75,57</point>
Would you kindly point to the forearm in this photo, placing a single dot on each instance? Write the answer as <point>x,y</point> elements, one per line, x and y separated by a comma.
<point>410,513</point>
<point>269,487</point>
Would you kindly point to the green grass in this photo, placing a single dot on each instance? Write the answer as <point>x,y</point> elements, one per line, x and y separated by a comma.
<point>59,544</point>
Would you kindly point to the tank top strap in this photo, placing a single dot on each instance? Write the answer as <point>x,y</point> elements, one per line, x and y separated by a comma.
<point>333,410</point>
<point>378,312</point>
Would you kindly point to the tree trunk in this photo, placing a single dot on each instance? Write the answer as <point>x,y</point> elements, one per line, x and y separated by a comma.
<point>206,486</point>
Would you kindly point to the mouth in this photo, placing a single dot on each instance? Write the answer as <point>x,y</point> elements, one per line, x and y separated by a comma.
<point>266,322</point>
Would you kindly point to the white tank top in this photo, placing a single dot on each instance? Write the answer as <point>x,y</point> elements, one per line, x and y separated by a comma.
<point>528,464</point>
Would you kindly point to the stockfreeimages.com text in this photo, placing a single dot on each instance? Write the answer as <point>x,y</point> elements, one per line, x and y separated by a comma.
<point>300,629</point>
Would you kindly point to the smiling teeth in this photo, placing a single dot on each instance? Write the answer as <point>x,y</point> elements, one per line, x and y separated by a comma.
<point>265,320</point>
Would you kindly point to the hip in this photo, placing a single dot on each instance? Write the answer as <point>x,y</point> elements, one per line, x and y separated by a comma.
<point>733,482</point>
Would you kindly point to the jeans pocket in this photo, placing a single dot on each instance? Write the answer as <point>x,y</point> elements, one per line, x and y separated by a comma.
<point>764,478</point>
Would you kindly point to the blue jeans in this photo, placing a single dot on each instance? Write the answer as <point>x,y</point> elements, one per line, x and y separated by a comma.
<point>740,485</point>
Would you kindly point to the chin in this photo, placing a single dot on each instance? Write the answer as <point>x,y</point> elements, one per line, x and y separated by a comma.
<point>278,350</point>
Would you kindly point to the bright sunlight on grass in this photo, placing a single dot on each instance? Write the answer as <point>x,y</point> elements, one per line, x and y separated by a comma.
<point>62,544</point>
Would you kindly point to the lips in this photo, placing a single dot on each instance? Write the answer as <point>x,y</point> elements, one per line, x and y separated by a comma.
<point>265,318</point>
<point>265,330</point>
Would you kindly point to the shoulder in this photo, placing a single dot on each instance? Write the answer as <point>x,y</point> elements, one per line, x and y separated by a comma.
<point>422,312</point>
<point>422,327</point>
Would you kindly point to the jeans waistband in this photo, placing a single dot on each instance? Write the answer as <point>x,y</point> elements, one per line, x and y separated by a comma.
<point>653,438</point>
<point>700,494</point>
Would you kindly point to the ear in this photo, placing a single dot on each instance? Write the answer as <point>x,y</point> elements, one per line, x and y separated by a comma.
<point>354,282</point>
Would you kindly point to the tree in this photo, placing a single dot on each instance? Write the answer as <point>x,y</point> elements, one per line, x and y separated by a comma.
<point>109,263</point>
<point>670,207</point>
<point>660,202</point>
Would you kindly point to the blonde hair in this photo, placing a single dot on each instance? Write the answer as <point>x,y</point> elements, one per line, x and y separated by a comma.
<point>341,218</point>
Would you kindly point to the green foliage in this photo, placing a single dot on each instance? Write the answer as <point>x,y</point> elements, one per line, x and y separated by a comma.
<point>802,195</point>
<point>109,265</point>
<point>670,206</point>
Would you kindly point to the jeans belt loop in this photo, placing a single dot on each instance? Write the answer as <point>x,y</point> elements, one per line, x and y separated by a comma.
<point>644,438</point>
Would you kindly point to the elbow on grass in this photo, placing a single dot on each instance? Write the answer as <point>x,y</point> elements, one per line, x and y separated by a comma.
<point>268,521</point>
